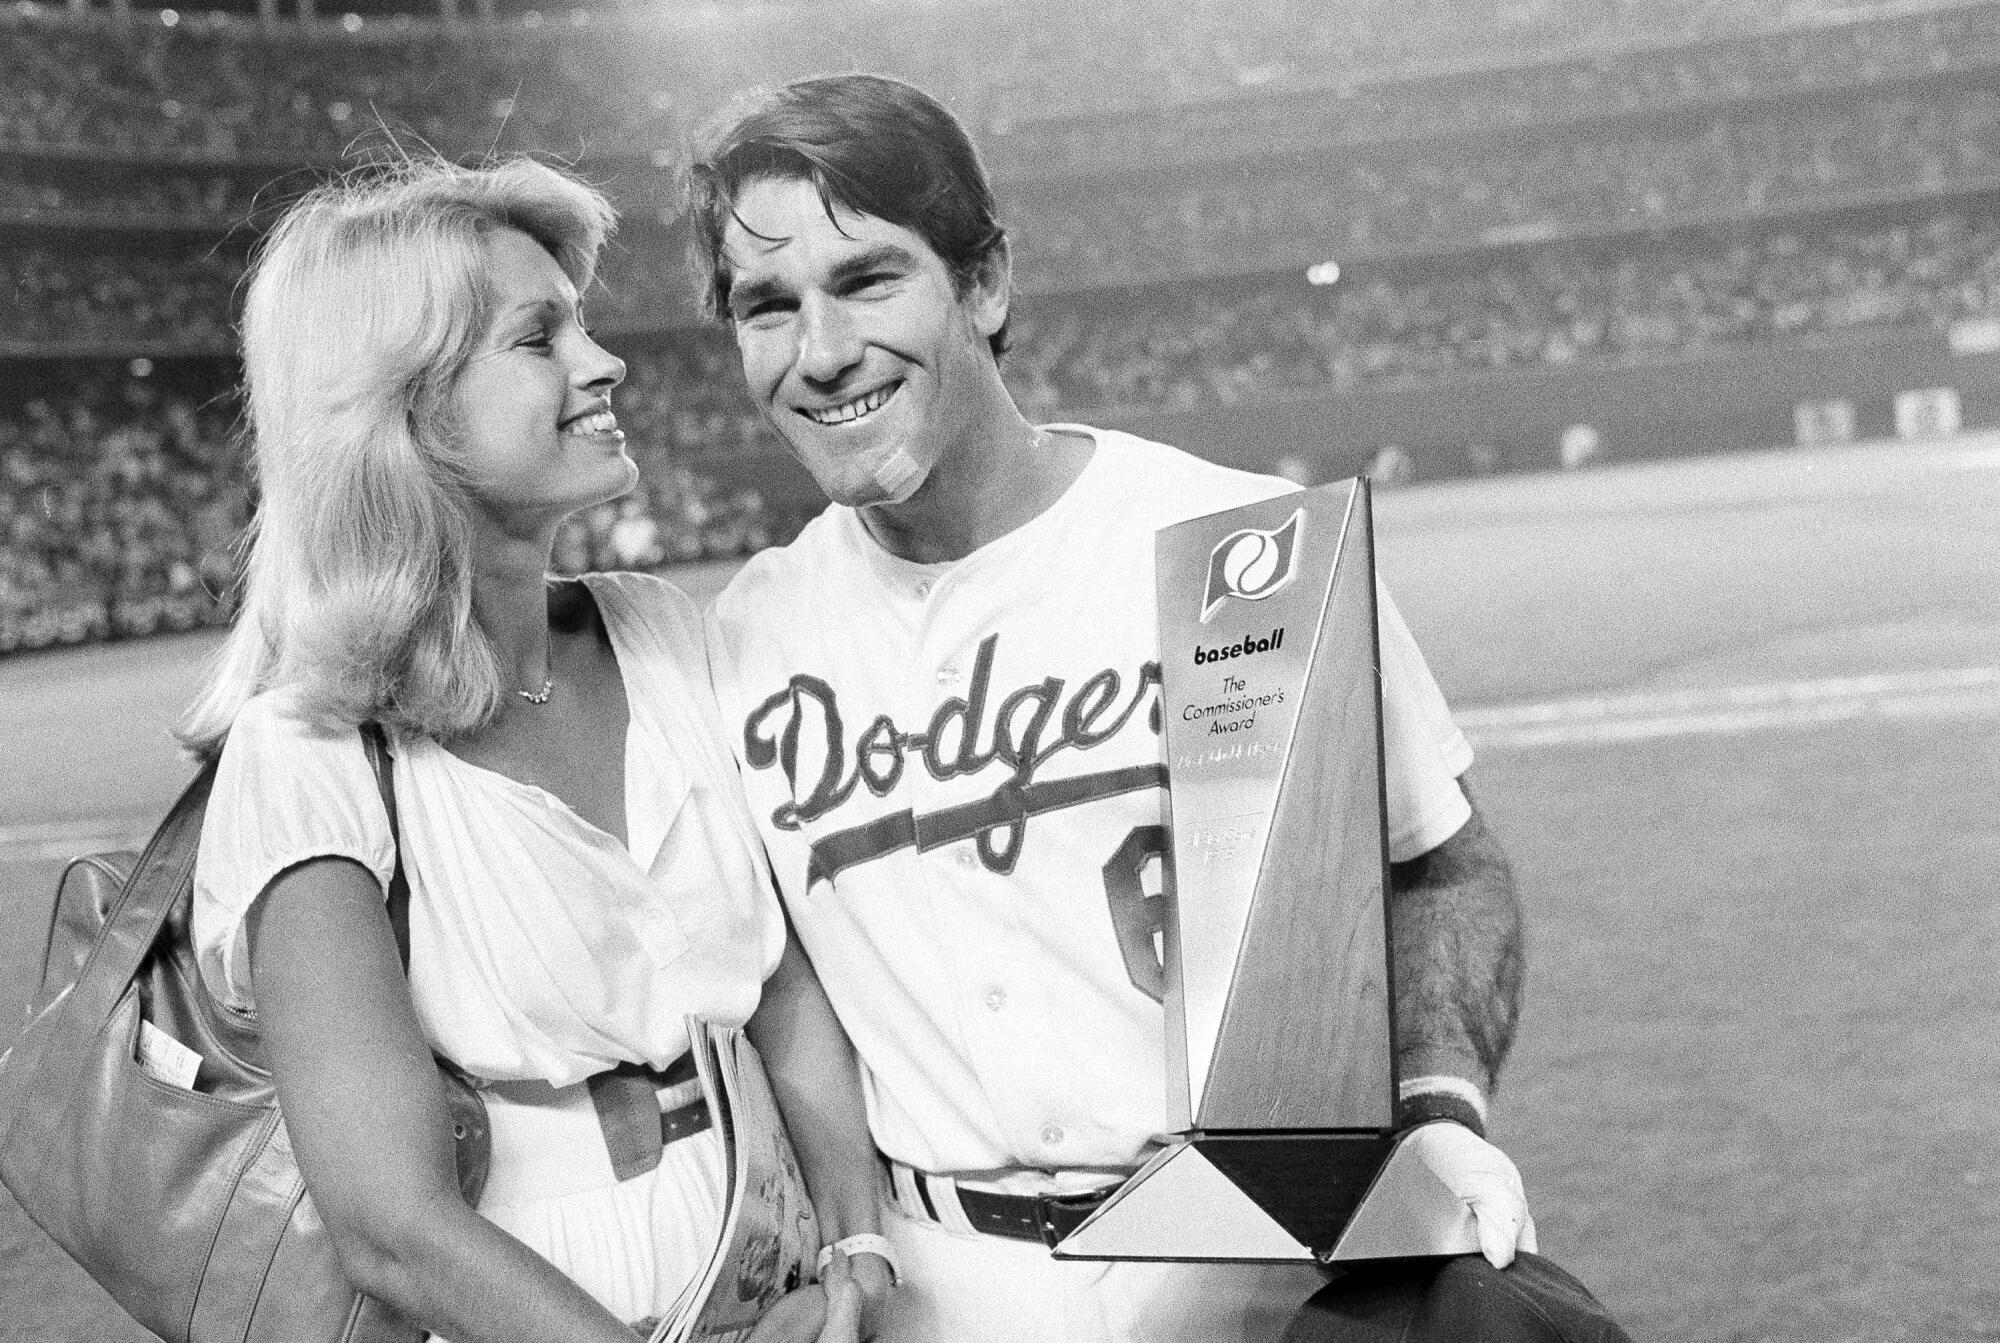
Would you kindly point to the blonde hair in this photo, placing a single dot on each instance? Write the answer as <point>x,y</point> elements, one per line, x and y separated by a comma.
<point>364,304</point>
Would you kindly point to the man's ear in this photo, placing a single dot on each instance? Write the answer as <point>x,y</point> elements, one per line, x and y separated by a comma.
<point>992,289</point>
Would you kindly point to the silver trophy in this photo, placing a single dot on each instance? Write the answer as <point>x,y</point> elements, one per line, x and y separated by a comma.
<point>1281,1068</point>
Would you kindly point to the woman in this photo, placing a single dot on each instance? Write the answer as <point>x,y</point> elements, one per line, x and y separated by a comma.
<point>426,408</point>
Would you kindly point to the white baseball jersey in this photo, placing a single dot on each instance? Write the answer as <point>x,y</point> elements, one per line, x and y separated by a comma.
<point>958,771</point>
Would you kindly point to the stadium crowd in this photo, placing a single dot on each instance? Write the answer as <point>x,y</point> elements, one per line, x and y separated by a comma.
<point>121,506</point>
<point>118,511</point>
<point>1481,98</point>
<point>161,294</point>
<point>228,90</point>
<point>119,502</point>
<point>104,290</point>
<point>153,91</point>
<point>1174,347</point>
<point>1635,224</point>
<point>132,195</point>
<point>1562,183</point>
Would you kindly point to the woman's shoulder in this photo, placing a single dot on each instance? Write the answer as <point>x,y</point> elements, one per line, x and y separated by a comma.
<point>645,596</point>
<point>645,607</point>
<point>281,717</point>
<point>279,749</point>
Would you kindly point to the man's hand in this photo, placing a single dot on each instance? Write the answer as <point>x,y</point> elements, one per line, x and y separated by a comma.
<point>1483,1176</point>
<point>875,1283</point>
<point>827,1311</point>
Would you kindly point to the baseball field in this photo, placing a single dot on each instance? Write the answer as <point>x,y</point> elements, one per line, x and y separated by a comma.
<point>1738,724</point>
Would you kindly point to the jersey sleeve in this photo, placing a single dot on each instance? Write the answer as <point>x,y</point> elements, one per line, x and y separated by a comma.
<point>1423,751</point>
<point>284,792</point>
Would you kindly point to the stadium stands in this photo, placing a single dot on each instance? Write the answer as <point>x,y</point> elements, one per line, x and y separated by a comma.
<point>1523,186</point>
<point>1609,300</point>
<point>118,511</point>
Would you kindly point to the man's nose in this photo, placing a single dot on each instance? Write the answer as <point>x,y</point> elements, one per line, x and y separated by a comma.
<point>829,345</point>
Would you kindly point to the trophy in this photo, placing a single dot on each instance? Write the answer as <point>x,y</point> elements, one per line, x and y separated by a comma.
<point>1281,1067</point>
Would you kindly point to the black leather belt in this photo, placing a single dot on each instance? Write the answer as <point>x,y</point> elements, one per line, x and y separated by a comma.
<point>1041,1217</point>
<point>636,1130</point>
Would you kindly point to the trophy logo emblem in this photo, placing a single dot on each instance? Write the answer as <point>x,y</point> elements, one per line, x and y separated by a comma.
<point>1251,564</point>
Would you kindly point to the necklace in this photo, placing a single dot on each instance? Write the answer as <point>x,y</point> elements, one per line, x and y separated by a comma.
<point>539,696</point>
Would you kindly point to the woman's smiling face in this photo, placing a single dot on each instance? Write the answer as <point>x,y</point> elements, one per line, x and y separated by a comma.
<point>532,406</point>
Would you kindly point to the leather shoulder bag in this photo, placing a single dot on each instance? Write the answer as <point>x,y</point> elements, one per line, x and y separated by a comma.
<point>185,1203</point>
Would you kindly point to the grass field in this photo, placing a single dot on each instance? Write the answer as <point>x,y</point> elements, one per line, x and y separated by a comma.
<point>1739,726</point>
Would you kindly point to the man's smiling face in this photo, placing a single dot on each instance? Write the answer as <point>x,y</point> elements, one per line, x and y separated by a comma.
<point>855,343</point>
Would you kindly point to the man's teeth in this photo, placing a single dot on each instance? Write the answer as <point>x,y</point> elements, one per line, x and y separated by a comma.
<point>855,409</point>
<point>597,422</point>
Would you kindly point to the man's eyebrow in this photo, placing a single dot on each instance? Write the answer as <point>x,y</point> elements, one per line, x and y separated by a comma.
<point>873,257</point>
<point>749,293</point>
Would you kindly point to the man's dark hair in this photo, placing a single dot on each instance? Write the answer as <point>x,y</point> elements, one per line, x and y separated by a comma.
<point>875,146</point>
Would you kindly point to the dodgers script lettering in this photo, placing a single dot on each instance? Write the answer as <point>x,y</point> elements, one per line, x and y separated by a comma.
<point>802,724</point>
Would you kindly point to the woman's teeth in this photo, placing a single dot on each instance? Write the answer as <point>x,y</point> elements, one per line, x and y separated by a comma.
<point>855,409</point>
<point>597,422</point>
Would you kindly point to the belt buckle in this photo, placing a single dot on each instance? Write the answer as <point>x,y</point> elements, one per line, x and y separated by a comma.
<point>1056,1215</point>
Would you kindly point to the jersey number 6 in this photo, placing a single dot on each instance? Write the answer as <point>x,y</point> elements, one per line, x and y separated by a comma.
<point>1137,915</point>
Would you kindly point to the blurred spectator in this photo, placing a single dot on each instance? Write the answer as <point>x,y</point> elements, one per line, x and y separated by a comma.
<point>1393,465</point>
<point>1579,445</point>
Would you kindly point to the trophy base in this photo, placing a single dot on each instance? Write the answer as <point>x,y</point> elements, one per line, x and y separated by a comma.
<point>1278,1197</point>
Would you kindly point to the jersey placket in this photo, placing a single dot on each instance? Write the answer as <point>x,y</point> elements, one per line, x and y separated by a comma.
<point>997,998</point>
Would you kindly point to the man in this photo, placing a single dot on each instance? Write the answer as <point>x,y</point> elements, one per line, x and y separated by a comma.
<point>945,699</point>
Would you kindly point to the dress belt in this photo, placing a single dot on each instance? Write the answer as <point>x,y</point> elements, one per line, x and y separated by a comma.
<point>1039,1217</point>
<point>642,1110</point>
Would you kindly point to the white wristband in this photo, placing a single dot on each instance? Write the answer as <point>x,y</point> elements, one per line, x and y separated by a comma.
<point>865,1243</point>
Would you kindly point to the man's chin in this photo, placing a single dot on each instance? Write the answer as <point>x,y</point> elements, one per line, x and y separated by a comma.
<point>891,481</point>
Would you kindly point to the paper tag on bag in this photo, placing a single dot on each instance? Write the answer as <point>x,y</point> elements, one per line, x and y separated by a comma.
<point>167,1058</point>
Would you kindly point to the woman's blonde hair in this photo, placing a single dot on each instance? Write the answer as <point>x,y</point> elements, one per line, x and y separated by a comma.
<point>364,304</point>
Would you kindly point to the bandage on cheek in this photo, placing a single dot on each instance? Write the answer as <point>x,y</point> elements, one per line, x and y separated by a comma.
<point>898,476</point>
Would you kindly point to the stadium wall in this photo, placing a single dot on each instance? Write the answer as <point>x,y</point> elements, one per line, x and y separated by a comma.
<point>1737,398</point>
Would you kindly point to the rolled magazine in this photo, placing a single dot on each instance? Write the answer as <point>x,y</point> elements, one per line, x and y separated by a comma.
<point>770,1237</point>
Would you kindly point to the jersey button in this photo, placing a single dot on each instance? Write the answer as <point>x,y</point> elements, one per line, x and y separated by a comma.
<point>996,1000</point>
<point>924,588</point>
<point>965,858</point>
<point>1051,1135</point>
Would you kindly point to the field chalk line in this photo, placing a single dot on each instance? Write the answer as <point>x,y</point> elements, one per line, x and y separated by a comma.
<point>1961,692</point>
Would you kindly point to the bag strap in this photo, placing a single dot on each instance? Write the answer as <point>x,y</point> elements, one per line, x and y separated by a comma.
<point>158,882</point>
<point>164,875</point>
<point>377,743</point>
